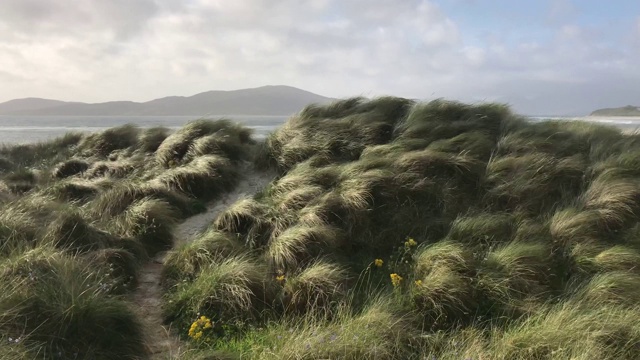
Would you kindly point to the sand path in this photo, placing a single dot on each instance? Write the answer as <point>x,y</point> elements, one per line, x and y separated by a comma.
<point>162,343</point>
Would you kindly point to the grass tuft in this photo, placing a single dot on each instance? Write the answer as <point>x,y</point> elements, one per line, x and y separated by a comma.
<point>150,139</point>
<point>204,178</point>
<point>103,144</point>
<point>70,167</point>
<point>51,299</point>
<point>234,288</point>
<point>315,287</point>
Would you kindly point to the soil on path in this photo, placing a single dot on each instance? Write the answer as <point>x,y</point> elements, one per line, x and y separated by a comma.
<point>162,342</point>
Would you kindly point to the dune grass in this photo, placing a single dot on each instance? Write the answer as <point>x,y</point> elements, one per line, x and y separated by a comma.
<point>53,299</point>
<point>78,217</point>
<point>393,230</point>
<point>465,231</point>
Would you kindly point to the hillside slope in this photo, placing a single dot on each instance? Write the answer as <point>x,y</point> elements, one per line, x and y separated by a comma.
<point>628,110</point>
<point>266,100</point>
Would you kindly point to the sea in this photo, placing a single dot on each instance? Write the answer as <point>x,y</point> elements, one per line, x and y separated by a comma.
<point>30,129</point>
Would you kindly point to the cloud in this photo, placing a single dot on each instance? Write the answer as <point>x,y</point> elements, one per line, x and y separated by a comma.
<point>119,18</point>
<point>561,11</point>
<point>94,50</point>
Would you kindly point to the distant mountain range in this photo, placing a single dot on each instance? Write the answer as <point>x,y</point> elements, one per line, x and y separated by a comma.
<point>628,110</point>
<point>266,100</point>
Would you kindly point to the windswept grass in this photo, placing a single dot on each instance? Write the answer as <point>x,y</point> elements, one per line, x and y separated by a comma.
<point>105,143</point>
<point>471,231</point>
<point>394,230</point>
<point>150,139</point>
<point>42,154</point>
<point>204,178</point>
<point>149,221</point>
<point>116,200</point>
<point>52,300</point>
<point>69,168</point>
<point>234,289</point>
<point>78,216</point>
<point>318,285</point>
<point>203,137</point>
<point>210,247</point>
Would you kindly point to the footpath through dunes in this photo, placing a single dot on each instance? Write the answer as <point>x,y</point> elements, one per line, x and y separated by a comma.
<point>162,341</point>
<point>81,215</point>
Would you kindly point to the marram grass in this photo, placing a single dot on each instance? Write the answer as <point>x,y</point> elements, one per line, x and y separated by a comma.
<point>79,215</point>
<point>464,230</point>
<point>392,230</point>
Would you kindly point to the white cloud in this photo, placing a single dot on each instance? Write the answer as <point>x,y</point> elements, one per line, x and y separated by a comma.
<point>93,50</point>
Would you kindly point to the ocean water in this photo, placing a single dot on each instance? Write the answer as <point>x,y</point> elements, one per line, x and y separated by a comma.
<point>28,129</point>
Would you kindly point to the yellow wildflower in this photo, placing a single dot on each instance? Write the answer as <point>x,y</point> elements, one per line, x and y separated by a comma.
<point>395,279</point>
<point>418,282</point>
<point>197,328</point>
<point>280,278</point>
<point>410,243</point>
<point>378,262</point>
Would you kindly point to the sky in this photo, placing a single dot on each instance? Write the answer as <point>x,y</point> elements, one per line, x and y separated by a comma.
<point>542,57</point>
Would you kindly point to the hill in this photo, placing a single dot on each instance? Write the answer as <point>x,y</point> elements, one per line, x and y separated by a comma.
<point>628,110</point>
<point>28,104</point>
<point>265,100</point>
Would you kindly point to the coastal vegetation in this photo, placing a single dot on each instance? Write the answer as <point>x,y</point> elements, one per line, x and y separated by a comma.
<point>81,213</point>
<point>392,230</point>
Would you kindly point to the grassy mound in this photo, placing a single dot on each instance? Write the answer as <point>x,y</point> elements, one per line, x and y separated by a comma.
<point>69,168</point>
<point>78,216</point>
<point>203,137</point>
<point>149,221</point>
<point>204,178</point>
<point>113,169</point>
<point>117,199</point>
<point>463,231</point>
<point>151,138</point>
<point>52,299</point>
<point>104,143</point>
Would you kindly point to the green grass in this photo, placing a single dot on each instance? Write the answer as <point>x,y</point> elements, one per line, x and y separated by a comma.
<point>79,215</point>
<point>393,230</point>
<point>69,168</point>
<point>491,231</point>
<point>53,299</point>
